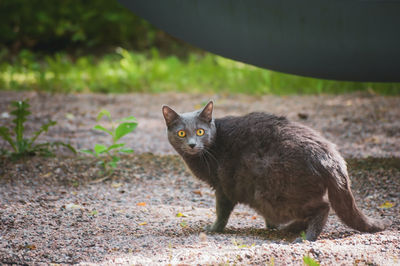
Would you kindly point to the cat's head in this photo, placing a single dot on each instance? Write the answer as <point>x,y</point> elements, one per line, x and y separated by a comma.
<point>190,133</point>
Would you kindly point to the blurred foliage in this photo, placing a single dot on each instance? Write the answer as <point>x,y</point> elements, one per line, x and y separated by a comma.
<point>87,46</point>
<point>77,26</point>
<point>127,71</point>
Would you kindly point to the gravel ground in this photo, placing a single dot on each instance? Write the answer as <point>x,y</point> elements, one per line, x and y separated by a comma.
<point>152,211</point>
<point>361,125</point>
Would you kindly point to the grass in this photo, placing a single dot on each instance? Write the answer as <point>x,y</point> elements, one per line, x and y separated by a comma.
<point>127,71</point>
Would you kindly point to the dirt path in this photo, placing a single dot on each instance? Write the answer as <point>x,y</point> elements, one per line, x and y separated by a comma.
<point>153,211</point>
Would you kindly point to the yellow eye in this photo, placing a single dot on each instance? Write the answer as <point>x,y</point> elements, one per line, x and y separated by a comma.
<point>181,133</point>
<point>200,132</point>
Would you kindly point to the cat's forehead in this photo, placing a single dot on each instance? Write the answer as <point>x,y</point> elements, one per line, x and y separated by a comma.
<point>190,115</point>
<point>191,119</point>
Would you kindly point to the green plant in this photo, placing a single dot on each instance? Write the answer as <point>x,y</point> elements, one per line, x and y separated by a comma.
<point>239,244</point>
<point>310,261</point>
<point>110,160</point>
<point>128,71</point>
<point>303,235</point>
<point>22,146</point>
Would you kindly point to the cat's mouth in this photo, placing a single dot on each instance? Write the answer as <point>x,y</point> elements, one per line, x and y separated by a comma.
<point>192,151</point>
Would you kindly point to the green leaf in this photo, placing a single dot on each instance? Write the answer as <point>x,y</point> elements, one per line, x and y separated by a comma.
<point>86,151</point>
<point>183,224</point>
<point>66,145</point>
<point>20,104</point>
<point>101,128</point>
<point>5,134</point>
<point>101,163</point>
<point>42,149</point>
<point>93,213</point>
<point>303,235</point>
<point>22,147</point>
<point>310,261</point>
<point>130,118</point>
<point>102,113</point>
<point>115,159</point>
<point>99,148</point>
<point>386,205</point>
<point>20,113</point>
<point>115,146</point>
<point>124,129</point>
<point>112,164</point>
<point>43,128</point>
<point>126,150</point>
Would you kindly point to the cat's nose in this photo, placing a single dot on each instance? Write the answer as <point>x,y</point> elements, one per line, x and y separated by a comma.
<point>192,145</point>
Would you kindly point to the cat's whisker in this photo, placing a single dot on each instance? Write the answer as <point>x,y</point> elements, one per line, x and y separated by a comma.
<point>209,152</point>
<point>204,157</point>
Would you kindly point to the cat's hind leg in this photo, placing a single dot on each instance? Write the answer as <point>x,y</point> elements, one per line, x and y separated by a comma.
<point>316,222</point>
<point>296,227</point>
<point>224,208</point>
<point>270,226</point>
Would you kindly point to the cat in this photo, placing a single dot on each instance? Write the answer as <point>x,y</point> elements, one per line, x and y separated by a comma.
<point>282,169</point>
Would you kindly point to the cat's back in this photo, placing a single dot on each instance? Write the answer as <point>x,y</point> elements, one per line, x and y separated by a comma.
<point>267,134</point>
<point>238,132</point>
<point>256,123</point>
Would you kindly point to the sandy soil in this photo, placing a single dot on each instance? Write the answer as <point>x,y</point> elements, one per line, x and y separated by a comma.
<point>152,211</point>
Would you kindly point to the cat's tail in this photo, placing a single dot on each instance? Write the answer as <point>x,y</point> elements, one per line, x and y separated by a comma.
<point>342,201</point>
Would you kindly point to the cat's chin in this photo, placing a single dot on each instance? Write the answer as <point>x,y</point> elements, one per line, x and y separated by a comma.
<point>192,152</point>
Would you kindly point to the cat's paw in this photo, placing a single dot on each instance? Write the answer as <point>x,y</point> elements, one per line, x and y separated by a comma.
<point>298,240</point>
<point>377,225</point>
<point>271,227</point>
<point>214,228</point>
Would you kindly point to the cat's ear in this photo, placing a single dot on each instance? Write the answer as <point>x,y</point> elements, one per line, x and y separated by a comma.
<point>206,113</point>
<point>169,115</point>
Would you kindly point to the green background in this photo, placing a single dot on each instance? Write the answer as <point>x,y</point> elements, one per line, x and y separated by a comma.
<point>99,46</point>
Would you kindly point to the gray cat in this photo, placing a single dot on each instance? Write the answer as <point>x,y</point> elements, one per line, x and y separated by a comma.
<point>282,169</point>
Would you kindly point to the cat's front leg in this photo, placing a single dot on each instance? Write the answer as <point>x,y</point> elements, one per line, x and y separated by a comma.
<point>224,208</point>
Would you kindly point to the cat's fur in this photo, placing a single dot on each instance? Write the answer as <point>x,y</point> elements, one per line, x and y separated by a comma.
<point>280,168</point>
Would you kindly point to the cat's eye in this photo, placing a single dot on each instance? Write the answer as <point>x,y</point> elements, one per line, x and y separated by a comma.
<point>200,132</point>
<point>182,133</point>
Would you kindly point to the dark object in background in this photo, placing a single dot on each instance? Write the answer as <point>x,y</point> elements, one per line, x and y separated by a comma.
<point>77,26</point>
<point>343,40</point>
<point>303,116</point>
